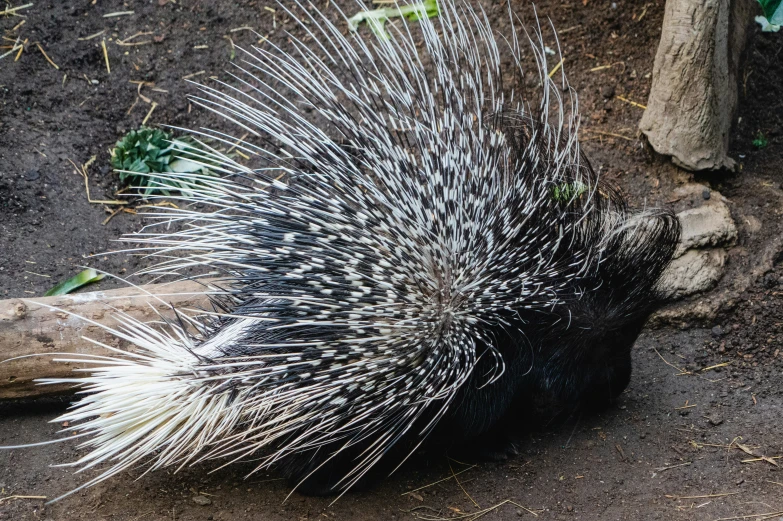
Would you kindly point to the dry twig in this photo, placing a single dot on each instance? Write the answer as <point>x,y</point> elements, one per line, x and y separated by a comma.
<point>9,498</point>
<point>12,10</point>
<point>83,172</point>
<point>47,56</point>
<point>106,56</point>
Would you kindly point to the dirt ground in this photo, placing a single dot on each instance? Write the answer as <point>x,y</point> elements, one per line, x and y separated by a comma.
<point>671,448</point>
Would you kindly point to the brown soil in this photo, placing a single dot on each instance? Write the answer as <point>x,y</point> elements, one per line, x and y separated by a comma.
<point>660,453</point>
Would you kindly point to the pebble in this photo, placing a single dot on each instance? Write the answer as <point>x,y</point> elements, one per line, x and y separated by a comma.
<point>607,91</point>
<point>32,175</point>
<point>717,331</point>
<point>706,194</point>
<point>202,500</point>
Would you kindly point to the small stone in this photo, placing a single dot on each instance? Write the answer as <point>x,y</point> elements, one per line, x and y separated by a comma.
<point>202,500</point>
<point>770,280</point>
<point>715,421</point>
<point>520,513</point>
<point>32,175</point>
<point>607,91</point>
<point>706,194</point>
<point>707,225</point>
<point>717,331</point>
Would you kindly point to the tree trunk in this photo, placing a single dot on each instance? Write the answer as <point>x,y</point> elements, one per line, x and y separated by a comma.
<point>31,327</point>
<point>693,97</point>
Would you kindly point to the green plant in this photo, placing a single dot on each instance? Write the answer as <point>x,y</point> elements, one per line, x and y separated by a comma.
<point>377,18</point>
<point>761,141</point>
<point>567,192</point>
<point>773,15</point>
<point>85,277</point>
<point>142,153</point>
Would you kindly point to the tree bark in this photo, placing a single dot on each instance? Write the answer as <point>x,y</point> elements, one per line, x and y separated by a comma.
<point>693,97</point>
<point>32,327</point>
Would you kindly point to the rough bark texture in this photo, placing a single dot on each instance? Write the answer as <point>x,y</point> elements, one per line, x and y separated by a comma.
<point>29,327</point>
<point>695,80</point>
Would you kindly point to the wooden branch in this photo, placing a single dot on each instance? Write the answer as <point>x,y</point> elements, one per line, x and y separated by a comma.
<point>28,326</point>
<point>693,97</point>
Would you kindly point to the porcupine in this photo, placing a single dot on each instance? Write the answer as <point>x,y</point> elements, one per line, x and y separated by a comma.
<point>424,251</point>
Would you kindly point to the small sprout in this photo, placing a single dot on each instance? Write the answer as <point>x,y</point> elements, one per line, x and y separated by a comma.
<point>377,18</point>
<point>761,141</point>
<point>142,153</point>
<point>87,276</point>
<point>567,192</point>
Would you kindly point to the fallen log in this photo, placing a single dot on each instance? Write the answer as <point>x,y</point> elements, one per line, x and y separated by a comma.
<point>48,325</point>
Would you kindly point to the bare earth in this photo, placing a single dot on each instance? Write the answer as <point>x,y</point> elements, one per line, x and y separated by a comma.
<point>670,449</point>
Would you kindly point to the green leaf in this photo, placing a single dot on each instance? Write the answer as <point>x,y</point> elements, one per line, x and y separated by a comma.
<point>184,166</point>
<point>139,165</point>
<point>427,9</point>
<point>773,11</point>
<point>87,276</point>
<point>567,192</point>
<point>761,141</point>
<point>377,18</point>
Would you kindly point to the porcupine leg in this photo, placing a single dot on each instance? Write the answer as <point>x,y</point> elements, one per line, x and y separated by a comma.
<point>484,423</point>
